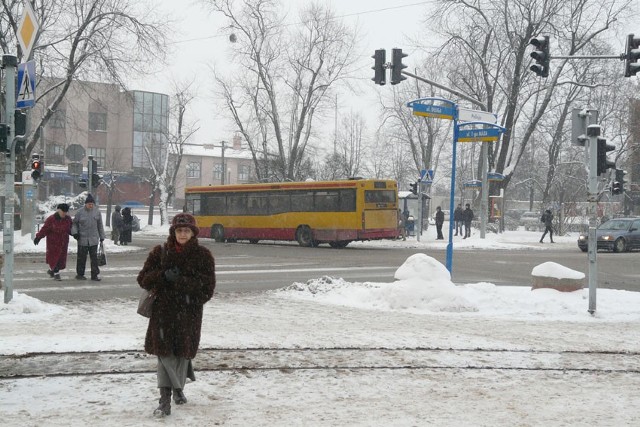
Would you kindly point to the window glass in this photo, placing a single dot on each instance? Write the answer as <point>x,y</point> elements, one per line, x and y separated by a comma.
<point>278,202</point>
<point>302,201</point>
<point>258,203</point>
<point>379,196</point>
<point>98,121</point>
<point>193,170</point>
<point>326,201</point>
<point>236,204</point>
<point>347,201</point>
<point>58,119</point>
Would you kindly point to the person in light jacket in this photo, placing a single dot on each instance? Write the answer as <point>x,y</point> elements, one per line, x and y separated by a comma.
<point>88,230</point>
<point>56,229</point>
<point>116,225</point>
<point>181,275</point>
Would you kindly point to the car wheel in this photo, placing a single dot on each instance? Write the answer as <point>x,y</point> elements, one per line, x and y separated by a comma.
<point>583,249</point>
<point>620,245</point>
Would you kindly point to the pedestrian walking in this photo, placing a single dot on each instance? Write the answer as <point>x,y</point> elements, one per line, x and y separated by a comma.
<point>88,230</point>
<point>56,229</point>
<point>439,223</point>
<point>181,275</point>
<point>458,218</point>
<point>127,226</point>
<point>116,225</point>
<point>467,217</point>
<point>401,225</point>
<point>547,219</point>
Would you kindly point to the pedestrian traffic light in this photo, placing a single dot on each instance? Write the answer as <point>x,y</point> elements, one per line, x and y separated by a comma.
<point>541,56</point>
<point>380,77</point>
<point>4,137</point>
<point>82,182</point>
<point>397,66</point>
<point>20,122</point>
<point>617,187</point>
<point>414,188</point>
<point>95,180</point>
<point>603,162</point>
<point>36,167</point>
<point>632,54</point>
<point>92,166</point>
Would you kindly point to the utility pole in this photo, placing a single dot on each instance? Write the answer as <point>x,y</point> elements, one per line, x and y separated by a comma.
<point>224,169</point>
<point>9,64</point>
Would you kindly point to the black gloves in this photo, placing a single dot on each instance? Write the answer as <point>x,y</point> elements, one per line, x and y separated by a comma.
<point>36,241</point>
<point>172,274</point>
<point>76,236</point>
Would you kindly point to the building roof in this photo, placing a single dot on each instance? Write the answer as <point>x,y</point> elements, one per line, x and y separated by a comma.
<point>209,150</point>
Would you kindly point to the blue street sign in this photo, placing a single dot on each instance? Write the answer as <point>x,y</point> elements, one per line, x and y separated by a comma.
<point>495,176</point>
<point>430,174</point>
<point>429,110</point>
<point>471,135</point>
<point>26,89</point>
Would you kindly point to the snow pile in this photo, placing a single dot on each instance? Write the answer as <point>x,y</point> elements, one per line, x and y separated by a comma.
<point>22,305</point>
<point>552,269</point>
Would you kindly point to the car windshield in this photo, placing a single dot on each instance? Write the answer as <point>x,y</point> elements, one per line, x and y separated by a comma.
<point>615,224</point>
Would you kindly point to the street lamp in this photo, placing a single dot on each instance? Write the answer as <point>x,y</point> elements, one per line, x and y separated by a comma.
<point>223,145</point>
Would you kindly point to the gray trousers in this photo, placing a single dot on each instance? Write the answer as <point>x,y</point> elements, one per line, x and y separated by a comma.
<point>173,371</point>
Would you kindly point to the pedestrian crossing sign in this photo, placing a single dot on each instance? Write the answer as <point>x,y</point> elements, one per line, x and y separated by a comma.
<point>26,89</point>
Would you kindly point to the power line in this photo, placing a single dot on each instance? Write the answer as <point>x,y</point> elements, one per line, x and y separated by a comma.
<point>385,9</point>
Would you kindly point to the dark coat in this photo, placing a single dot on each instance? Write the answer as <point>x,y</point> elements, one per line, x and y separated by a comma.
<point>439,217</point>
<point>127,225</point>
<point>176,319</point>
<point>458,214</point>
<point>467,215</point>
<point>116,220</point>
<point>57,231</point>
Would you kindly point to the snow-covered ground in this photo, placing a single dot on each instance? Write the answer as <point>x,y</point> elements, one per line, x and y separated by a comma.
<point>418,351</point>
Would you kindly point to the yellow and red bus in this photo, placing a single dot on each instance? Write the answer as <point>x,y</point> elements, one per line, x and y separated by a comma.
<point>313,212</point>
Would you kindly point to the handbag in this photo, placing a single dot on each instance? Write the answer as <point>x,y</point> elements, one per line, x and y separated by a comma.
<point>145,304</point>
<point>102,257</point>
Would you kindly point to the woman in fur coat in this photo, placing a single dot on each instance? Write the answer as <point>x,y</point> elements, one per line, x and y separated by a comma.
<point>181,274</point>
<point>56,229</point>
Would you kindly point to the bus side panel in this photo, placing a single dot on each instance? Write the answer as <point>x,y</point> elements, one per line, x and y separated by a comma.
<point>379,224</point>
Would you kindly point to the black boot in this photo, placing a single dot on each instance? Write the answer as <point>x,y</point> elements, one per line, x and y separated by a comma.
<point>179,397</point>
<point>164,408</point>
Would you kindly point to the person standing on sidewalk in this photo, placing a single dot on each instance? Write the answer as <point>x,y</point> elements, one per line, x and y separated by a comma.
<point>458,218</point>
<point>127,226</point>
<point>467,217</point>
<point>547,218</point>
<point>88,230</point>
<point>116,225</point>
<point>439,223</point>
<point>56,229</point>
<point>181,275</point>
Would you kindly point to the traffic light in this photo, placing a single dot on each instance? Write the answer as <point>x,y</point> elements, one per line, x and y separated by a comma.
<point>380,75</point>
<point>36,167</point>
<point>414,188</point>
<point>92,166</point>
<point>4,137</point>
<point>82,182</point>
<point>397,66</point>
<point>95,180</point>
<point>20,122</point>
<point>603,162</point>
<point>618,183</point>
<point>632,53</point>
<point>541,56</point>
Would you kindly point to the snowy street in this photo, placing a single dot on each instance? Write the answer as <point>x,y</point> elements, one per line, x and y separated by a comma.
<point>419,351</point>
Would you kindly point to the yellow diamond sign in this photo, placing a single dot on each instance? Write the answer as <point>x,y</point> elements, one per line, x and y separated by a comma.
<point>27,31</point>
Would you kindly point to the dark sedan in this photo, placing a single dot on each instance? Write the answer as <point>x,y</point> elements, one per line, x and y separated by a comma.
<point>617,235</point>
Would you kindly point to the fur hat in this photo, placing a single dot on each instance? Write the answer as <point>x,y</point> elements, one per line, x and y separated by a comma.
<point>184,220</point>
<point>89,199</point>
<point>63,207</point>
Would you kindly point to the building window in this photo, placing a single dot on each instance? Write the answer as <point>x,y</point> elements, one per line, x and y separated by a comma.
<point>217,172</point>
<point>243,172</point>
<point>193,170</point>
<point>55,154</point>
<point>58,119</point>
<point>99,155</point>
<point>98,122</point>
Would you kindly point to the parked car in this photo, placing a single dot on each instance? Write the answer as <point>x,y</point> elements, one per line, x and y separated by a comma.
<point>617,235</point>
<point>531,221</point>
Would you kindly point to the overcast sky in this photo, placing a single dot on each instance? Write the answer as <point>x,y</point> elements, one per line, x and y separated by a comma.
<point>202,41</point>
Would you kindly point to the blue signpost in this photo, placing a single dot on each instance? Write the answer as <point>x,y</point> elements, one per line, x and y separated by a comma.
<point>464,132</point>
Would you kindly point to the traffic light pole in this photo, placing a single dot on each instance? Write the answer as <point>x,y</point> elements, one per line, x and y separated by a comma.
<point>9,63</point>
<point>90,174</point>
<point>593,132</point>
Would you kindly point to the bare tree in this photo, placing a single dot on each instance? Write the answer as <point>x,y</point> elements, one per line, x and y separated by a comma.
<point>86,40</point>
<point>287,74</point>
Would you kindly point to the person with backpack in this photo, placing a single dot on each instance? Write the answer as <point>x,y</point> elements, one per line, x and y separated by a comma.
<point>547,219</point>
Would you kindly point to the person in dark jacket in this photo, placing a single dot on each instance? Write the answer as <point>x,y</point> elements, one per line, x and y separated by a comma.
<point>88,230</point>
<point>116,225</point>
<point>467,217</point>
<point>547,218</point>
<point>458,218</point>
<point>56,229</point>
<point>181,274</point>
<point>439,223</point>
<point>127,226</point>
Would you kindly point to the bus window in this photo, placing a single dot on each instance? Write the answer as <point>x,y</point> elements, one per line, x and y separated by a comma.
<point>326,201</point>
<point>215,205</point>
<point>301,201</point>
<point>279,203</point>
<point>258,203</point>
<point>193,204</point>
<point>237,204</point>
<point>377,196</point>
<point>347,201</point>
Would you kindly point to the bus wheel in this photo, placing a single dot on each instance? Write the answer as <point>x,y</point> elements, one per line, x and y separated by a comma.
<point>253,241</point>
<point>304,236</point>
<point>217,233</point>
<point>339,244</point>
